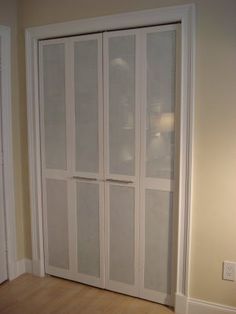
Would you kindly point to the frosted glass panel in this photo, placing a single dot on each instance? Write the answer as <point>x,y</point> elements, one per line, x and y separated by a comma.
<point>57,223</point>
<point>54,105</point>
<point>158,237</point>
<point>86,105</point>
<point>122,104</point>
<point>122,234</point>
<point>160,104</point>
<point>88,229</point>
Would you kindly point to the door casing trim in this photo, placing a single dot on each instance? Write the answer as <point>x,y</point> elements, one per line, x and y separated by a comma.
<point>7,142</point>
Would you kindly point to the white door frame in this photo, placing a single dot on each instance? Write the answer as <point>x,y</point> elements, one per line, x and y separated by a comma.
<point>8,170</point>
<point>184,14</point>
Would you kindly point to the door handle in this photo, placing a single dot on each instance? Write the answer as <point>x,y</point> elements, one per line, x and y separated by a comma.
<point>119,181</point>
<point>84,178</point>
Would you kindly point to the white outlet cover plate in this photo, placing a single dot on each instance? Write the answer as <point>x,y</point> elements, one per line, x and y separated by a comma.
<point>229,271</point>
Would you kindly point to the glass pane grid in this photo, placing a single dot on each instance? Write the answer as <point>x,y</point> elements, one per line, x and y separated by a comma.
<point>122,104</point>
<point>57,223</point>
<point>158,240</point>
<point>86,105</point>
<point>88,229</point>
<point>160,136</point>
<point>122,234</point>
<point>54,106</point>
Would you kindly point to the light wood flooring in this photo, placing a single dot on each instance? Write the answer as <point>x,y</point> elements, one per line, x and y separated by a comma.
<point>30,294</point>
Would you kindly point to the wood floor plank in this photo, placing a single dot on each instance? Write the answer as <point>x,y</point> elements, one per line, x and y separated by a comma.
<point>50,295</point>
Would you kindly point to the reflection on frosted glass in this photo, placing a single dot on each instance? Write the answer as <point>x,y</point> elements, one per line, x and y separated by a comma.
<point>122,104</point>
<point>88,229</point>
<point>54,105</point>
<point>160,104</point>
<point>158,238</point>
<point>86,105</point>
<point>122,234</point>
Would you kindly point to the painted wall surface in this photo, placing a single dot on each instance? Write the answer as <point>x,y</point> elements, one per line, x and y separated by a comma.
<point>9,17</point>
<point>214,178</point>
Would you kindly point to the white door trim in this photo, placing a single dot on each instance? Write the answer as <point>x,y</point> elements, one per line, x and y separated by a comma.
<point>8,180</point>
<point>184,14</point>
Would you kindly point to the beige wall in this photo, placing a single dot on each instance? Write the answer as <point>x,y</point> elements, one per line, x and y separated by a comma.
<point>9,17</point>
<point>214,197</point>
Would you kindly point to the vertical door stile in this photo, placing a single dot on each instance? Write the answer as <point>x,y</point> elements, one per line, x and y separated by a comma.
<point>3,237</point>
<point>70,109</point>
<point>43,164</point>
<point>106,156</point>
<point>176,164</point>
<point>105,104</point>
<point>143,119</point>
<point>101,159</point>
<point>138,150</point>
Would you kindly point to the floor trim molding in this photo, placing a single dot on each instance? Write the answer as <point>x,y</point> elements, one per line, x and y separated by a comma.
<point>184,305</point>
<point>196,306</point>
<point>180,304</point>
<point>7,147</point>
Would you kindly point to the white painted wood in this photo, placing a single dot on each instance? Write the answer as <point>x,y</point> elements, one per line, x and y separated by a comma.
<point>35,177</point>
<point>3,242</point>
<point>185,305</point>
<point>151,183</point>
<point>183,14</point>
<point>7,157</point>
<point>110,22</point>
<point>196,306</point>
<point>180,304</point>
<point>190,33</point>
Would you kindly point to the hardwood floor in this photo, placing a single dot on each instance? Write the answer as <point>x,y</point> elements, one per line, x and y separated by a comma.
<point>30,294</point>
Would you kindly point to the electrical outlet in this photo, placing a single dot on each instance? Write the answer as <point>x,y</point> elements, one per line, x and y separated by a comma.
<point>229,271</point>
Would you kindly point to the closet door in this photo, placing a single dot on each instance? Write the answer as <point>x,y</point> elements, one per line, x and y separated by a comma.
<point>88,184</point>
<point>55,145</point>
<point>72,168</point>
<point>121,160</point>
<point>157,162</point>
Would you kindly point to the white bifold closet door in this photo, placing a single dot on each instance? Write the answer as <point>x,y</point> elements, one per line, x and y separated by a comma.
<point>158,163</point>
<point>108,111</point>
<point>140,99</point>
<point>121,157</point>
<point>72,164</point>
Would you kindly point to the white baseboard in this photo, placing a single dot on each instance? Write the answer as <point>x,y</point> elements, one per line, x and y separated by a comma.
<point>180,304</point>
<point>196,306</point>
<point>23,266</point>
<point>184,305</point>
<point>38,268</point>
